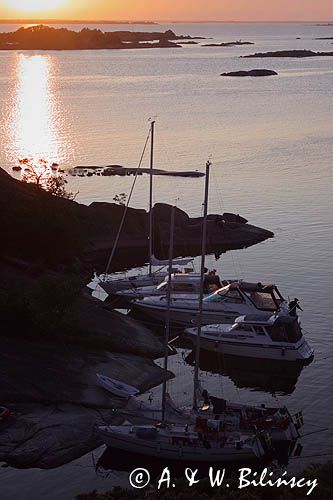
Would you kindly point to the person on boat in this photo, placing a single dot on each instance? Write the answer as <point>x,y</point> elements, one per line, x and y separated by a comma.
<point>293,306</point>
<point>212,282</point>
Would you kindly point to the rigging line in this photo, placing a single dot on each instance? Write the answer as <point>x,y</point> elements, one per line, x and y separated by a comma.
<point>126,207</point>
<point>314,432</point>
<point>329,454</point>
<point>223,209</point>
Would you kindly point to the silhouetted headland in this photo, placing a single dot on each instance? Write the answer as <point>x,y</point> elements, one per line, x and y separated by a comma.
<point>48,38</point>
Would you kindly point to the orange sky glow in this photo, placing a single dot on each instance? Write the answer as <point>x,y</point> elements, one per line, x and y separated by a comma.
<point>186,10</point>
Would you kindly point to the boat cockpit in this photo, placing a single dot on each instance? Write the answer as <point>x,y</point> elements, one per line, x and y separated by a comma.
<point>263,296</point>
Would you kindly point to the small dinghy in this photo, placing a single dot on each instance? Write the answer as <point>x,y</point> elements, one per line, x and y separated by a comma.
<point>116,387</point>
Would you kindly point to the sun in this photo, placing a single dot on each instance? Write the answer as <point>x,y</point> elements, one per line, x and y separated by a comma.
<point>34,5</point>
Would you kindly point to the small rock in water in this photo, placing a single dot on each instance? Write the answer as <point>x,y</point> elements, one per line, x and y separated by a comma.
<point>252,72</point>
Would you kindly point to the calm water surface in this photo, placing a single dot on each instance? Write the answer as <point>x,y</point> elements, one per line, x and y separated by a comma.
<point>270,141</point>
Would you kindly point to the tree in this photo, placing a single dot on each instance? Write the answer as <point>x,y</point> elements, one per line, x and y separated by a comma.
<point>45,176</point>
<point>56,185</point>
<point>35,171</point>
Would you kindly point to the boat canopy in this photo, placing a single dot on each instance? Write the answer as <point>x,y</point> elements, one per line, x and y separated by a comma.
<point>266,319</point>
<point>252,287</point>
<point>180,262</point>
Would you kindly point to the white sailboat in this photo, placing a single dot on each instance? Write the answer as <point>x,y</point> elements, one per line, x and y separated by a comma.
<point>182,284</point>
<point>156,268</point>
<point>119,286</point>
<point>184,443</point>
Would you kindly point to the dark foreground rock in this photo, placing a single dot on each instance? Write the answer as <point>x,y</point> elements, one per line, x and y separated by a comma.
<point>57,402</point>
<point>53,231</point>
<point>252,72</point>
<point>290,53</point>
<point>54,336</point>
<point>224,232</point>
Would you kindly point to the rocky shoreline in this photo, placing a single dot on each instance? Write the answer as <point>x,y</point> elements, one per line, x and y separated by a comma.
<point>55,336</point>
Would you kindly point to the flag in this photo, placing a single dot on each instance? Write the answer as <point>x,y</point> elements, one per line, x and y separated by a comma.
<point>299,420</point>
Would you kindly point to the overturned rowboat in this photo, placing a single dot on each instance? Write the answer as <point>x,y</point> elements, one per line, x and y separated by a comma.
<point>117,387</point>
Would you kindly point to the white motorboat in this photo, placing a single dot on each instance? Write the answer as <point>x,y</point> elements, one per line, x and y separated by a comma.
<point>270,336</point>
<point>117,387</point>
<point>225,305</point>
<point>203,442</point>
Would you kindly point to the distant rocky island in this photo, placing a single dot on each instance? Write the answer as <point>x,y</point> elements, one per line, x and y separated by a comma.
<point>252,72</point>
<point>48,38</point>
<point>228,44</point>
<point>111,170</point>
<point>290,53</point>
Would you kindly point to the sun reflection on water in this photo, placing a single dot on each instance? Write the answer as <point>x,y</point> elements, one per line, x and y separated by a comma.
<point>35,120</point>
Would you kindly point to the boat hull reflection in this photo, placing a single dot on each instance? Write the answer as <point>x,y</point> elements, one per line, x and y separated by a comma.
<point>259,374</point>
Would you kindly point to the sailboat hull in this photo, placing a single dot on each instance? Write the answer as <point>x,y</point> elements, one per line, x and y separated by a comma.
<point>181,454</point>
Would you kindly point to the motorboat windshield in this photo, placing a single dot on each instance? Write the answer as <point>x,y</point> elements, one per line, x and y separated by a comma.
<point>285,329</point>
<point>263,296</point>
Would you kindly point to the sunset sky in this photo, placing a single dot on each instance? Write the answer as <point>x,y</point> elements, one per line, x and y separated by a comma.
<point>239,10</point>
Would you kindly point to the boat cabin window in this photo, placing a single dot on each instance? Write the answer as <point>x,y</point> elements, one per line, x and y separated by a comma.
<point>177,287</point>
<point>233,297</point>
<point>263,300</point>
<point>183,287</point>
<point>229,296</point>
<point>213,334</point>
<point>290,332</point>
<point>259,330</point>
<point>244,328</point>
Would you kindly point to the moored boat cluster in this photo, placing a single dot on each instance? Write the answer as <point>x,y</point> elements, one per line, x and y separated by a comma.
<point>226,316</point>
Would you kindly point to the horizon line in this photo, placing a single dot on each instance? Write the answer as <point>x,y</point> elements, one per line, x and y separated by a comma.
<point>33,20</point>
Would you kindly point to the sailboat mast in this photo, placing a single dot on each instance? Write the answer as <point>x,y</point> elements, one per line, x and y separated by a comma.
<point>167,322</point>
<point>202,273</point>
<point>152,130</point>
